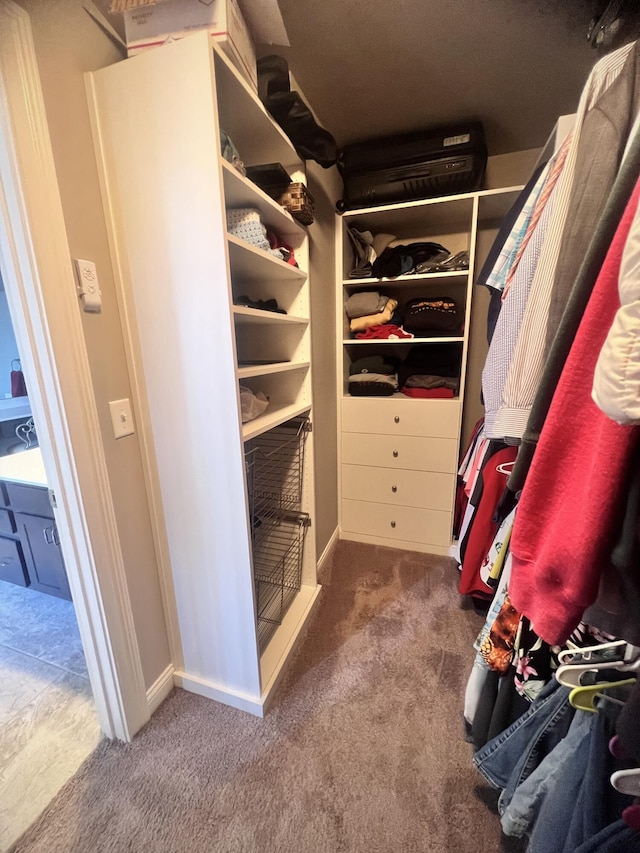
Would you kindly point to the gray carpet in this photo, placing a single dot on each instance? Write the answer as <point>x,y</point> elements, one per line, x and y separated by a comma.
<point>362,751</point>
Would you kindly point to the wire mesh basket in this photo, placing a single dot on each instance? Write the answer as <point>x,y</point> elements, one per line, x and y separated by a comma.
<point>277,568</point>
<point>274,463</point>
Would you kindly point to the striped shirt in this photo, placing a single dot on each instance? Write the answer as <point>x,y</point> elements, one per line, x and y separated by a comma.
<point>509,251</point>
<point>505,337</point>
<point>527,363</point>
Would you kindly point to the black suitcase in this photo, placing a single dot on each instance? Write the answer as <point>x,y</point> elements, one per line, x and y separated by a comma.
<point>435,162</point>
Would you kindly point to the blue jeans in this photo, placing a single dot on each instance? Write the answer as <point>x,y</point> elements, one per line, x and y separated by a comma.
<point>508,759</point>
<point>561,771</point>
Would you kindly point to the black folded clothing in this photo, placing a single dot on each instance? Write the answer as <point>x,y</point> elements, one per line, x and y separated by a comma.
<point>374,364</point>
<point>400,260</point>
<point>373,385</point>
<point>432,314</point>
<point>259,304</point>
<point>433,359</point>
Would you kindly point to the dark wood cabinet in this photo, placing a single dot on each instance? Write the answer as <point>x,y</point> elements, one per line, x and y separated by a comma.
<point>30,553</point>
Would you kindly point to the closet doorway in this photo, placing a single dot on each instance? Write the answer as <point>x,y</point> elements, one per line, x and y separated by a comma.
<point>48,719</point>
<point>40,289</point>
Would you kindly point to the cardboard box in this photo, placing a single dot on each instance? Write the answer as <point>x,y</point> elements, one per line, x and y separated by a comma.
<point>152,26</point>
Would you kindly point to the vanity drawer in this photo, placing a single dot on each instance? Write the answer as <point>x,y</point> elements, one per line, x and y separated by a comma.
<point>409,524</point>
<point>424,489</point>
<point>402,416</point>
<point>31,499</point>
<point>390,451</point>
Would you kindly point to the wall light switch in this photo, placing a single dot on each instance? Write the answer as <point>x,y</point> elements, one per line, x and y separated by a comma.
<point>121,418</point>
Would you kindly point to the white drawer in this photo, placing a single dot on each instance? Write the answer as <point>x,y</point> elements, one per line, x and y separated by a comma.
<point>424,489</point>
<point>427,526</point>
<point>401,451</point>
<point>402,416</point>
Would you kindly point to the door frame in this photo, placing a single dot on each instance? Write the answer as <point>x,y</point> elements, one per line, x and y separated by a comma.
<point>40,286</point>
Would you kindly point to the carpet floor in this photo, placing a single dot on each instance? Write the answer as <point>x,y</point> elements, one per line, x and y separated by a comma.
<point>361,752</point>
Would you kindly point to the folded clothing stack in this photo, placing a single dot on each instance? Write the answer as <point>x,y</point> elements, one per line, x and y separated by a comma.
<point>432,314</point>
<point>373,376</point>
<point>431,372</point>
<point>365,303</point>
<point>403,259</point>
<point>259,304</point>
<point>359,324</point>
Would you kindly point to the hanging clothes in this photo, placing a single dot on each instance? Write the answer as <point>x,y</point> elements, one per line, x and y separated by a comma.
<point>566,521</point>
<point>598,248</point>
<point>484,527</point>
<point>616,382</point>
<point>602,143</point>
<point>496,367</point>
<point>528,359</point>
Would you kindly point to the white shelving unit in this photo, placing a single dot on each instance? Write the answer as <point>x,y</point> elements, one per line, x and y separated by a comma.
<point>156,121</point>
<point>399,455</point>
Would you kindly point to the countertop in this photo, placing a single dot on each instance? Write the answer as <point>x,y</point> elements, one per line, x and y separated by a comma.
<point>26,467</point>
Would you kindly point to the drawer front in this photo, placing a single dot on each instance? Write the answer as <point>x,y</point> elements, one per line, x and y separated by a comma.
<point>31,499</point>
<point>407,452</point>
<point>425,489</point>
<point>402,416</point>
<point>12,564</point>
<point>7,521</point>
<point>410,524</point>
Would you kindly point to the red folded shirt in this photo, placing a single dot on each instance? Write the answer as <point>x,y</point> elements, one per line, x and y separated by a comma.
<point>433,393</point>
<point>383,332</point>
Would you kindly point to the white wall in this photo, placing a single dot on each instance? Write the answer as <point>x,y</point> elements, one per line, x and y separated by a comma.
<point>68,43</point>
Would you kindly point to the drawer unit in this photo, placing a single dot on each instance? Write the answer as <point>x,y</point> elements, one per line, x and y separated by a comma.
<point>402,416</point>
<point>424,489</point>
<point>408,524</point>
<point>389,451</point>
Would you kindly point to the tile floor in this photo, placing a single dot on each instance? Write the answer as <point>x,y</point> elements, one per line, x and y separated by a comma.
<point>48,723</point>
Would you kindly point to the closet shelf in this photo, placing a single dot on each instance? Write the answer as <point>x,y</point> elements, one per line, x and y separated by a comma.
<point>273,417</point>
<point>241,192</point>
<point>410,341</point>
<point>266,369</point>
<point>244,315</point>
<point>416,219</point>
<point>254,265</point>
<point>243,116</point>
<point>403,280</point>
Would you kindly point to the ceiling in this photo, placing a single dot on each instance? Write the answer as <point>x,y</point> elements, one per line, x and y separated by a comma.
<point>377,67</point>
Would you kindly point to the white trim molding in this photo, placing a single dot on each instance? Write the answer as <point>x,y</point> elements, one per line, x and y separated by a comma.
<point>160,689</point>
<point>38,276</point>
<point>328,551</point>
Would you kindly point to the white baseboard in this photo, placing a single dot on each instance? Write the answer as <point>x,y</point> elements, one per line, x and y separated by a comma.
<point>211,690</point>
<point>329,548</point>
<point>160,689</point>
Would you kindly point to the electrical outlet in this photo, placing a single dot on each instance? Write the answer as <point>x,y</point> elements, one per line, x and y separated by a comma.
<point>121,418</point>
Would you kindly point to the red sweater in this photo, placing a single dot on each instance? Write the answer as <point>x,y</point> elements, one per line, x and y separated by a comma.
<point>567,517</point>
